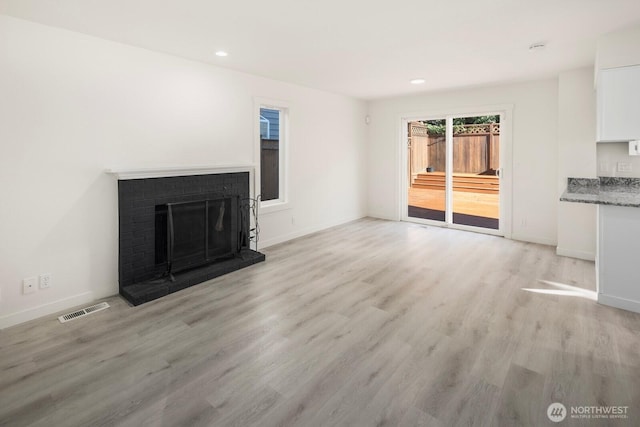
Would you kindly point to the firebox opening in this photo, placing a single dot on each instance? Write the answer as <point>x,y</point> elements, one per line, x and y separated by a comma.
<point>195,233</point>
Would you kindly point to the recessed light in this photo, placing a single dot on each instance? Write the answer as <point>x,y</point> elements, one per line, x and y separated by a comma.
<point>537,46</point>
<point>417,81</point>
<point>221,53</point>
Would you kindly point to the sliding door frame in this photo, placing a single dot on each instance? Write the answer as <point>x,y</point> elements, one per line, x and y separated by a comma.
<point>506,165</point>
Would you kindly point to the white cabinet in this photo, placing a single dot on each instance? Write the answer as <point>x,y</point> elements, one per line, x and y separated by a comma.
<point>618,270</point>
<point>619,104</point>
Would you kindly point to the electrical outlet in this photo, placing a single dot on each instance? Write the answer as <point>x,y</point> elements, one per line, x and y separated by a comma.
<point>604,167</point>
<point>45,281</point>
<point>29,285</point>
<point>624,167</point>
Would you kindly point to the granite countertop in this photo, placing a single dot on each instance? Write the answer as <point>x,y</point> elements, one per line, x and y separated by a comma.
<point>603,191</point>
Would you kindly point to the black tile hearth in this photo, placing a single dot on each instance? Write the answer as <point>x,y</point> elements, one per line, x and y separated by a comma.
<point>140,293</point>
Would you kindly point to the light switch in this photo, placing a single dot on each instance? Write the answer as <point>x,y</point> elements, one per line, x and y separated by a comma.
<point>604,167</point>
<point>634,148</point>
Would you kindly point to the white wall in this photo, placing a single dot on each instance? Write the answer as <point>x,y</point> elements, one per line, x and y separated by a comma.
<point>73,105</point>
<point>619,48</point>
<point>535,152</point>
<point>576,158</point>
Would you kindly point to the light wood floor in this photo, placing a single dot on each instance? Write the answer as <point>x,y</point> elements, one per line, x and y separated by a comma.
<point>478,204</point>
<point>368,324</point>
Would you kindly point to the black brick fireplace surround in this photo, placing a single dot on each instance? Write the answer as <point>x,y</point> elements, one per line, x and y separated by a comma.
<point>142,277</point>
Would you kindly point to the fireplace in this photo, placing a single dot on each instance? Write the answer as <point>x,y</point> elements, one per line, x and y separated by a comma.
<point>179,231</point>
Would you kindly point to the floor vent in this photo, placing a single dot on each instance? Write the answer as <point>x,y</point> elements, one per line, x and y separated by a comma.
<point>83,312</point>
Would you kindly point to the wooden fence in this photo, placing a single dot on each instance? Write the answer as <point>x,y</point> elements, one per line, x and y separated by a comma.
<point>269,169</point>
<point>476,149</point>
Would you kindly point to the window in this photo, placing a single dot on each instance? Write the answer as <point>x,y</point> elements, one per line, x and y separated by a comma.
<point>272,121</point>
<point>265,128</point>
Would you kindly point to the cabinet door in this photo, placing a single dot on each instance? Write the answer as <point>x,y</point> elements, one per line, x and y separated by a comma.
<point>618,249</point>
<point>619,104</point>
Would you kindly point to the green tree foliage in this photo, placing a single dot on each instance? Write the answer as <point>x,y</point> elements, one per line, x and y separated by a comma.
<point>438,127</point>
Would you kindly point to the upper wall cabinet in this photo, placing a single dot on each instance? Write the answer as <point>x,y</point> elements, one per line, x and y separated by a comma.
<point>619,104</point>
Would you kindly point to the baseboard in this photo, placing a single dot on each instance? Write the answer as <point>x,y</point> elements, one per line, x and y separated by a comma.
<point>46,309</point>
<point>300,233</point>
<point>383,216</point>
<point>533,239</point>
<point>586,255</point>
<point>625,304</point>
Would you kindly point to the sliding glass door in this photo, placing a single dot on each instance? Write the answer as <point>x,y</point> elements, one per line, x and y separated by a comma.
<point>453,166</point>
<point>475,170</point>
<point>427,154</point>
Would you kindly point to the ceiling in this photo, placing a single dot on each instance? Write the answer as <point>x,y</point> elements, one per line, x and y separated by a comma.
<point>365,49</point>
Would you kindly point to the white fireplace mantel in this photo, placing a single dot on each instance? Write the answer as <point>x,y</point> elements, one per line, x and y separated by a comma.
<point>167,171</point>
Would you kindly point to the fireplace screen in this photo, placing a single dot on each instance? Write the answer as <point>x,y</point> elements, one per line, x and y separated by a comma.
<point>190,234</point>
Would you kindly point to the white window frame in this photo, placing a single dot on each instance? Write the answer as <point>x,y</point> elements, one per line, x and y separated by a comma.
<point>282,202</point>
